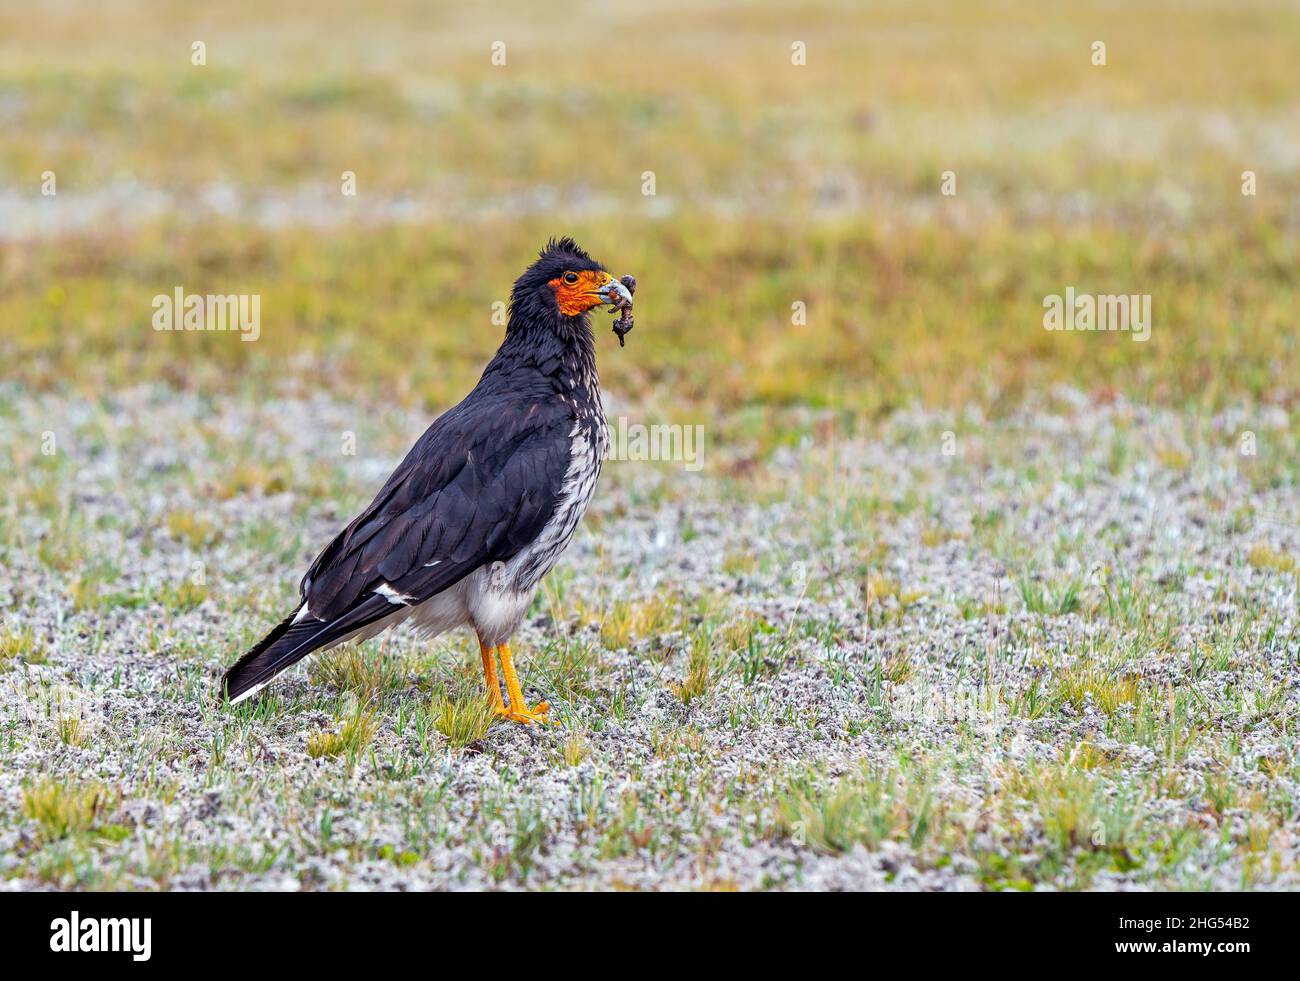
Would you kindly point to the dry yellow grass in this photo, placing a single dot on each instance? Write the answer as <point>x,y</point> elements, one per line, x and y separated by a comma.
<point>463,720</point>
<point>354,734</point>
<point>60,808</point>
<point>816,184</point>
<point>1263,557</point>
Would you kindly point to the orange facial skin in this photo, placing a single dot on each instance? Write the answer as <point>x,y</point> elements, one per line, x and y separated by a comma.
<point>579,296</point>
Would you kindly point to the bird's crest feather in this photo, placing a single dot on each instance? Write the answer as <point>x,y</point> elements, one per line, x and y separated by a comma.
<point>565,246</point>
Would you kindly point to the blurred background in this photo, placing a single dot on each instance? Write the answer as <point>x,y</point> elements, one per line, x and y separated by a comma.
<point>774,184</point>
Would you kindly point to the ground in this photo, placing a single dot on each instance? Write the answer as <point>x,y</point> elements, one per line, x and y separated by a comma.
<point>1062,655</point>
<point>939,599</point>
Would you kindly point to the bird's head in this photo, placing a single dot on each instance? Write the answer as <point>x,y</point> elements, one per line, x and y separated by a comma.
<point>564,283</point>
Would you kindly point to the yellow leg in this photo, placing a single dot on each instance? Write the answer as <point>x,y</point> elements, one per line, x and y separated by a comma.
<point>519,710</point>
<point>490,677</point>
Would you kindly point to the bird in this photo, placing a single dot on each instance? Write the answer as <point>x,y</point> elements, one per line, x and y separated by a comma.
<point>483,505</point>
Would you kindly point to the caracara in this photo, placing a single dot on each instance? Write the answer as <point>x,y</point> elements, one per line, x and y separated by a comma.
<point>484,503</point>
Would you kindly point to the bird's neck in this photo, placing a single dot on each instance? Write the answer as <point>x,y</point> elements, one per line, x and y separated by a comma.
<point>564,352</point>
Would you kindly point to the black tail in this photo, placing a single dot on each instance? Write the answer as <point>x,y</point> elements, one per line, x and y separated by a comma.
<point>290,642</point>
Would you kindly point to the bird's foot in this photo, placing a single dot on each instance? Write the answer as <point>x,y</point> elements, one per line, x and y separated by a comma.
<point>518,710</point>
<point>537,714</point>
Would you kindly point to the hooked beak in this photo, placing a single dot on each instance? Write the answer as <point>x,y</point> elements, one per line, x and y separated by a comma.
<point>614,292</point>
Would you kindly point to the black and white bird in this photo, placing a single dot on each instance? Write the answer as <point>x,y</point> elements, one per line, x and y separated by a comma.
<point>484,503</point>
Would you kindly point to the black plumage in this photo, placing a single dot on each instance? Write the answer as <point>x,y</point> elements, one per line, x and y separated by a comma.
<point>495,483</point>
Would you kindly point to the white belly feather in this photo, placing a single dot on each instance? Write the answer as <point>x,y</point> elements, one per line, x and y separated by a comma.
<point>494,599</point>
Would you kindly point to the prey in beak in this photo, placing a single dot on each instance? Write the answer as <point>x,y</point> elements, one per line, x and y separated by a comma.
<point>577,291</point>
<point>618,294</point>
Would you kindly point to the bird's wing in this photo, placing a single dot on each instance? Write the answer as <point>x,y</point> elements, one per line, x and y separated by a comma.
<point>477,487</point>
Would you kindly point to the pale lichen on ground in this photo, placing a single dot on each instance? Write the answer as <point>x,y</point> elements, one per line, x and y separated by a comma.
<point>1055,649</point>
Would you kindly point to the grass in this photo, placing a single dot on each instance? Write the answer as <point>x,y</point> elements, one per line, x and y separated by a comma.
<point>628,621</point>
<point>18,644</point>
<point>190,527</point>
<point>63,808</point>
<point>576,748</point>
<point>1091,684</point>
<point>1039,599</point>
<point>354,734</point>
<point>462,720</point>
<point>704,668</point>
<point>1263,557</point>
<point>867,808</point>
<point>72,731</point>
<point>364,673</point>
<point>1069,821</point>
<point>767,190</point>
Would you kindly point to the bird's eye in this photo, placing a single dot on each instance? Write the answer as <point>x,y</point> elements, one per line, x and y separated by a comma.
<point>570,278</point>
